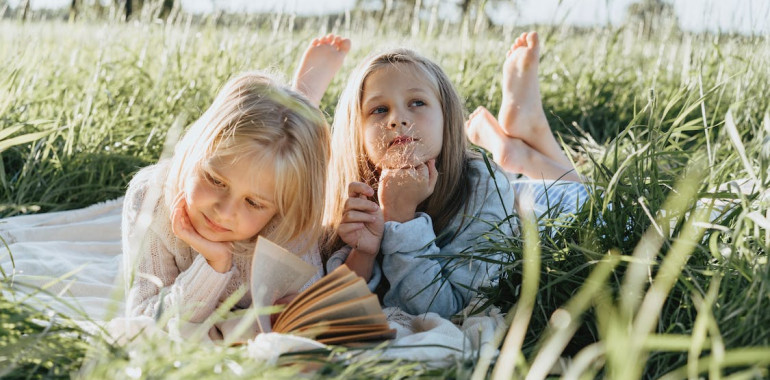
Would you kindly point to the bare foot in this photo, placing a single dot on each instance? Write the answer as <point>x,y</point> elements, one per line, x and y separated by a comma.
<point>521,113</point>
<point>483,130</point>
<point>322,59</point>
<point>512,154</point>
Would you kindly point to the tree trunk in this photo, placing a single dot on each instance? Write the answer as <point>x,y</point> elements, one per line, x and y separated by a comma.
<point>416,18</point>
<point>166,8</point>
<point>73,10</point>
<point>129,9</point>
<point>25,12</point>
<point>465,6</point>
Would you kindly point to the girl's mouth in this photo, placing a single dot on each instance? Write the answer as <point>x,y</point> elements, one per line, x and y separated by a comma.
<point>213,226</point>
<point>401,140</point>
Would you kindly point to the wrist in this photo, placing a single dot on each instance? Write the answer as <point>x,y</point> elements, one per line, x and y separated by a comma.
<point>401,215</point>
<point>361,263</point>
<point>221,266</point>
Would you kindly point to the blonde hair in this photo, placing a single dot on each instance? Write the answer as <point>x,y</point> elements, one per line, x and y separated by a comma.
<point>350,162</point>
<point>254,116</point>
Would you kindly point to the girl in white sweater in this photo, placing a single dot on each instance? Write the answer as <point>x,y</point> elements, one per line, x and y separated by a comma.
<point>253,164</point>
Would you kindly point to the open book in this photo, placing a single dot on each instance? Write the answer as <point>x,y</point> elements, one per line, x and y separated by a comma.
<point>339,308</point>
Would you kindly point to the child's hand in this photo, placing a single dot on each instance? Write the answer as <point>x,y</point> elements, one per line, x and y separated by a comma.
<point>217,254</point>
<point>402,190</point>
<point>281,301</point>
<point>362,223</point>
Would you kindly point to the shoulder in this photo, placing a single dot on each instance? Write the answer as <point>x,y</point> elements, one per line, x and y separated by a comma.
<point>488,181</point>
<point>489,201</point>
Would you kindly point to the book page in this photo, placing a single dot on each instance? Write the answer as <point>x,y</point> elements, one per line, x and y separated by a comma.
<point>366,305</point>
<point>374,319</point>
<point>275,273</point>
<point>327,325</point>
<point>377,335</point>
<point>329,283</point>
<point>342,289</point>
<point>341,272</point>
<point>320,332</point>
<point>354,289</point>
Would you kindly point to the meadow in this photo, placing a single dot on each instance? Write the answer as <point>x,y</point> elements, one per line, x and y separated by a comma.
<point>644,282</point>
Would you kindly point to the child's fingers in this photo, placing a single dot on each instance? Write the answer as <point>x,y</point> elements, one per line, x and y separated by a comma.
<point>179,201</point>
<point>389,173</point>
<point>350,233</point>
<point>359,189</point>
<point>360,204</point>
<point>432,175</point>
<point>285,299</point>
<point>181,224</point>
<point>353,216</point>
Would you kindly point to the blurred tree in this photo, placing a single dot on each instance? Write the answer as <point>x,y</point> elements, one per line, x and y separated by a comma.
<point>165,10</point>
<point>408,15</point>
<point>129,9</point>
<point>74,4</point>
<point>131,6</point>
<point>25,10</point>
<point>651,15</point>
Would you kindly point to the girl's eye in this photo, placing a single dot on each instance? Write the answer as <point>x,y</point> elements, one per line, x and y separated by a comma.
<point>380,109</point>
<point>213,180</point>
<point>254,204</point>
<point>418,103</point>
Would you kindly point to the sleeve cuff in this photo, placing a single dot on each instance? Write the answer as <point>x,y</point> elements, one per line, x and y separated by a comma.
<point>202,283</point>
<point>338,258</point>
<point>409,236</point>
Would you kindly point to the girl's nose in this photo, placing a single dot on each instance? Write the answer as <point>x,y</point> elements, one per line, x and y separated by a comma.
<point>225,208</point>
<point>398,118</point>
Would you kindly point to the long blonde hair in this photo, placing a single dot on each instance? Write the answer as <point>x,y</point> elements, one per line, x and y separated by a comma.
<point>350,163</point>
<point>254,116</point>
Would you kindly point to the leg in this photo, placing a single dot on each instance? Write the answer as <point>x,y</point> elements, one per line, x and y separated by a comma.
<point>512,154</point>
<point>322,59</point>
<point>521,114</point>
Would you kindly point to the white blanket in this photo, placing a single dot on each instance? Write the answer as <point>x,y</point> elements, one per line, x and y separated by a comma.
<point>76,256</point>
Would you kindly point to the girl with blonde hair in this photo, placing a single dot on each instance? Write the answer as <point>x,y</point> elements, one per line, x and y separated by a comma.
<point>253,164</point>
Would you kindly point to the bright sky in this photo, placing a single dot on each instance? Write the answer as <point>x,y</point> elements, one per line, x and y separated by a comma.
<point>725,15</point>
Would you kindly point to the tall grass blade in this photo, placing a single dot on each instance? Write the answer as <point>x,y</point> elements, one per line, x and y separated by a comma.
<point>510,353</point>
<point>564,322</point>
<point>737,357</point>
<point>735,139</point>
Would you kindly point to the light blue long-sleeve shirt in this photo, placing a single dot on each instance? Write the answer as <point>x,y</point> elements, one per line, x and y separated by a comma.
<point>420,284</point>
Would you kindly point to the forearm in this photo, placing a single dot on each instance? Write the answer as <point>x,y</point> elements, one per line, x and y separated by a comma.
<point>361,263</point>
<point>194,293</point>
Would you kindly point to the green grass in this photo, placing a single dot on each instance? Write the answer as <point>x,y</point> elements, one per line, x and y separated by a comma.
<point>85,105</point>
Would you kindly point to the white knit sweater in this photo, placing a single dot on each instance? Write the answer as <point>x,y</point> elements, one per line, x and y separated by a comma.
<point>169,275</point>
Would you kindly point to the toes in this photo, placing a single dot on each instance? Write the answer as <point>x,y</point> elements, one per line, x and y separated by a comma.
<point>488,116</point>
<point>520,41</point>
<point>533,40</point>
<point>344,45</point>
<point>475,113</point>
